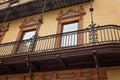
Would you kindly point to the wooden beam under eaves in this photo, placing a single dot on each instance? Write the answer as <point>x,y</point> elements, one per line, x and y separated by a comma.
<point>8,68</point>
<point>34,66</point>
<point>61,61</point>
<point>11,70</point>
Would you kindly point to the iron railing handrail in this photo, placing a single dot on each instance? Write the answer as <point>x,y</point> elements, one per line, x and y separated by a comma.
<point>15,42</point>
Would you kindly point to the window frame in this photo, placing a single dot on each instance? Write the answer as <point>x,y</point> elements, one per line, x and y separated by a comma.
<point>20,36</point>
<point>1,36</point>
<point>69,36</point>
<point>24,32</point>
<point>64,18</point>
<point>26,26</point>
<point>68,21</point>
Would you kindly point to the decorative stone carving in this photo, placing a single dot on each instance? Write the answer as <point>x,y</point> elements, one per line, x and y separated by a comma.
<point>70,13</point>
<point>29,23</point>
<point>4,28</point>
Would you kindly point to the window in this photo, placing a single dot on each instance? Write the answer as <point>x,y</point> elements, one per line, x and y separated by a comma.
<point>13,2</point>
<point>69,21</point>
<point>25,40</point>
<point>24,45</point>
<point>28,34</point>
<point>70,27</point>
<point>70,39</point>
<point>27,31</point>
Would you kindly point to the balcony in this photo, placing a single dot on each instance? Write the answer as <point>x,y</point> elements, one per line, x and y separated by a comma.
<point>6,4</point>
<point>33,7</point>
<point>69,50</point>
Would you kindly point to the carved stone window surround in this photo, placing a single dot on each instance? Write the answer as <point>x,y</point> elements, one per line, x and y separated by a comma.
<point>65,17</point>
<point>26,26</point>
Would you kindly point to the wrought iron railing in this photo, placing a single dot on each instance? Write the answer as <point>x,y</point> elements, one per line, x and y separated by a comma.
<point>81,38</point>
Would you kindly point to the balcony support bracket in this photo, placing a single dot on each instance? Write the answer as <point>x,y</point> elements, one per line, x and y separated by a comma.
<point>6,67</point>
<point>97,64</point>
<point>61,61</point>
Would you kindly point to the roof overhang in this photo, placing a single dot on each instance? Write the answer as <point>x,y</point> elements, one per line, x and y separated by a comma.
<point>35,7</point>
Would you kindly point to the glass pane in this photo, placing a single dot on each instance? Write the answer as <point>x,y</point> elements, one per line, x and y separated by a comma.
<point>28,35</point>
<point>70,27</point>
<point>69,39</point>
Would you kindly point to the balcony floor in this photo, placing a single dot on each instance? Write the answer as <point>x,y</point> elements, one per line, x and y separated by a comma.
<point>62,59</point>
